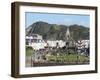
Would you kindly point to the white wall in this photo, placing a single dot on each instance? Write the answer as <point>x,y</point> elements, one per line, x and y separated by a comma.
<point>5,40</point>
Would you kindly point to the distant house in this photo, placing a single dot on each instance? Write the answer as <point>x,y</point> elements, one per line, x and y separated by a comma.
<point>34,38</point>
<point>29,40</point>
<point>82,46</point>
<point>36,41</point>
<point>37,38</point>
<point>60,43</point>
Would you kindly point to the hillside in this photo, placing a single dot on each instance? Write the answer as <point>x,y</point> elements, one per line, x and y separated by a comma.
<point>57,32</point>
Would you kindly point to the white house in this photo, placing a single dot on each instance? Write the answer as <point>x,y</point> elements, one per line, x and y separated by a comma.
<point>51,43</point>
<point>83,44</point>
<point>34,38</point>
<point>36,41</point>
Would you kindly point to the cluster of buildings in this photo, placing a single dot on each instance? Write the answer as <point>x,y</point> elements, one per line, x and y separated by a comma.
<point>36,42</point>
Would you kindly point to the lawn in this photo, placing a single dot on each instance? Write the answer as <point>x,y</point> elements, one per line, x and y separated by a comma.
<point>63,57</point>
<point>68,58</point>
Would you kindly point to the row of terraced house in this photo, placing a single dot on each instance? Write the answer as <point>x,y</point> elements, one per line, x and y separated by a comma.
<point>36,42</point>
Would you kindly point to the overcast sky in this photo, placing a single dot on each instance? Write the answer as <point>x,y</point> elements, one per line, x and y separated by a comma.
<point>65,19</point>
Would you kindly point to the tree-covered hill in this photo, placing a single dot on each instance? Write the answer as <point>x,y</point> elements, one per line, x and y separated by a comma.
<point>57,32</point>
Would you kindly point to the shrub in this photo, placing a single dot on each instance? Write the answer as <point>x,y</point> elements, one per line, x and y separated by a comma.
<point>29,51</point>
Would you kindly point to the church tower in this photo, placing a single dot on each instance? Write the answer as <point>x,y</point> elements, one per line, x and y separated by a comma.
<point>69,39</point>
<point>68,34</point>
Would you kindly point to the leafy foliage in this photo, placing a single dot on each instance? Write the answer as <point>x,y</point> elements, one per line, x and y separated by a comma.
<point>29,51</point>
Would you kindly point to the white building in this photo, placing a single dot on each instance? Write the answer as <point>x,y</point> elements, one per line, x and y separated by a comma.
<point>35,38</point>
<point>61,43</point>
<point>36,41</point>
<point>83,44</point>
